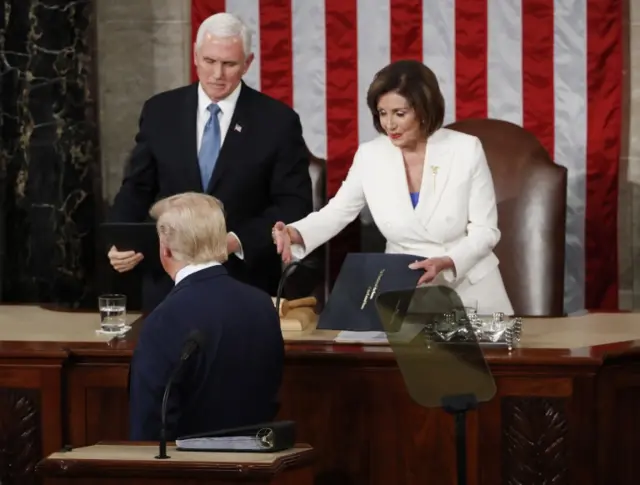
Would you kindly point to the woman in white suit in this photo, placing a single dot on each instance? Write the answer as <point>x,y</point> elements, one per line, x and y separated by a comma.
<point>428,188</point>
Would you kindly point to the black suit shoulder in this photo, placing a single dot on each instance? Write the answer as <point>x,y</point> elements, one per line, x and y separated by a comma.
<point>200,291</point>
<point>261,102</point>
<point>268,104</point>
<point>209,300</point>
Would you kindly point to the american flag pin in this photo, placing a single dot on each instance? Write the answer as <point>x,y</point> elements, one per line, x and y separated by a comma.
<point>238,128</point>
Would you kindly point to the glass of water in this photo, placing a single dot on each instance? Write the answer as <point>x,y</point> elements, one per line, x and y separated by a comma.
<point>471,308</point>
<point>113,312</point>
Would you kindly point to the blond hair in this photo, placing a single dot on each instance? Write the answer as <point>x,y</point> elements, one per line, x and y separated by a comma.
<point>193,227</point>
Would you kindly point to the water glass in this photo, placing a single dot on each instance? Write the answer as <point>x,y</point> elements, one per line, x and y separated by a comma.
<point>471,308</point>
<point>113,312</point>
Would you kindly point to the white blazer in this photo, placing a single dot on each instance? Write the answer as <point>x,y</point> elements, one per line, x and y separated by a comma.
<point>456,214</point>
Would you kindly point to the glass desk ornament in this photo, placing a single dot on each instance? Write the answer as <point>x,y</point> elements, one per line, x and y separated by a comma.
<point>494,330</point>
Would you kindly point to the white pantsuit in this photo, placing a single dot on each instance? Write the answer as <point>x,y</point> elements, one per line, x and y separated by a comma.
<point>456,214</point>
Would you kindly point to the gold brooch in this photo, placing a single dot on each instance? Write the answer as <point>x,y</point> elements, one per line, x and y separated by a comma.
<point>434,171</point>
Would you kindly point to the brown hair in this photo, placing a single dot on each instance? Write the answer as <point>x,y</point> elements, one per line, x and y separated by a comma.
<point>415,82</point>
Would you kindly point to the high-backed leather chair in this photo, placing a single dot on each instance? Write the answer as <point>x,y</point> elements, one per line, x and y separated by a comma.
<point>531,191</point>
<point>310,278</point>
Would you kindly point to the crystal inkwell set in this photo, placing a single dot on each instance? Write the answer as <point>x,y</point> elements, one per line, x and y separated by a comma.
<point>494,330</point>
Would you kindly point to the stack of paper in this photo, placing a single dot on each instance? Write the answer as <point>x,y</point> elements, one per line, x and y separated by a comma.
<point>406,334</point>
<point>348,336</point>
<point>220,443</point>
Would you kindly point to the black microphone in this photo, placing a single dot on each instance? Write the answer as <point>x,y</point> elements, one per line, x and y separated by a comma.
<point>285,274</point>
<point>194,341</point>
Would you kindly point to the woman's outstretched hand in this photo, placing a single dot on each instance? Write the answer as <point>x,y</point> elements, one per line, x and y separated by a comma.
<point>281,235</point>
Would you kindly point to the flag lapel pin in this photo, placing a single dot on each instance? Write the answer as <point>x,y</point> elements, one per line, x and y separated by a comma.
<point>238,128</point>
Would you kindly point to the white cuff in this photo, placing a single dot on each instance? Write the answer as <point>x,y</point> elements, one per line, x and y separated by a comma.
<point>240,252</point>
<point>298,252</point>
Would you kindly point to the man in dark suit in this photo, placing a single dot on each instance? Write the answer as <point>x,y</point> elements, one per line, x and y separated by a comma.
<point>220,137</point>
<point>234,378</point>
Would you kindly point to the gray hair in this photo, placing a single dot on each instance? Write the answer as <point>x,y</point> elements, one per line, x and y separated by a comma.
<point>225,25</point>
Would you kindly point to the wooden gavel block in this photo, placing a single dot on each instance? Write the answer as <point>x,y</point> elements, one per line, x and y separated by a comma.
<point>287,305</point>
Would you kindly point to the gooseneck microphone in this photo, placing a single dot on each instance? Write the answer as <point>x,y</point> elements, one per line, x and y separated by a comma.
<point>193,342</point>
<point>283,278</point>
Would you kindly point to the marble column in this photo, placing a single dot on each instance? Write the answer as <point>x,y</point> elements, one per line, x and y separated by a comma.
<point>49,152</point>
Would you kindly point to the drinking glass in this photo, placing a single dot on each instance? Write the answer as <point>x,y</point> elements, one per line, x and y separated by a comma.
<point>113,312</point>
<point>471,308</point>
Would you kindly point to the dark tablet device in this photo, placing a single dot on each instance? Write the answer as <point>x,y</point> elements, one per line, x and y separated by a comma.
<point>141,237</point>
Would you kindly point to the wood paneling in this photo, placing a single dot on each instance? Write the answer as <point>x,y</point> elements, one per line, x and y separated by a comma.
<point>561,416</point>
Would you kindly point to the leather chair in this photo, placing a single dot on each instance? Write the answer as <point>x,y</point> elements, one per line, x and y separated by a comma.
<point>531,191</point>
<point>310,278</point>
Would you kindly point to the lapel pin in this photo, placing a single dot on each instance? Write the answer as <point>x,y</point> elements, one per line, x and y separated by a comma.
<point>238,128</point>
<point>434,171</point>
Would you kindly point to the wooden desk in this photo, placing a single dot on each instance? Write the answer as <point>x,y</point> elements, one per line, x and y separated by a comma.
<point>566,411</point>
<point>130,463</point>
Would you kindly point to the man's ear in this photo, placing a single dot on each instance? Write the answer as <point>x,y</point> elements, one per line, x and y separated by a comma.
<point>247,62</point>
<point>165,252</point>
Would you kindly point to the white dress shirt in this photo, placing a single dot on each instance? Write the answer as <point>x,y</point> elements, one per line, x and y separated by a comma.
<point>227,107</point>
<point>193,268</point>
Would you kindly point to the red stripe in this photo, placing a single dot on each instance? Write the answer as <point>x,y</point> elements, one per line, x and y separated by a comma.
<point>276,67</point>
<point>537,68</point>
<point>200,10</point>
<point>341,89</point>
<point>342,110</point>
<point>471,59</point>
<point>604,93</point>
<point>406,30</point>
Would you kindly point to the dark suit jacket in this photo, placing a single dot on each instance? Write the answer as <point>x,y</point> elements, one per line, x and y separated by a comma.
<point>233,381</point>
<point>261,176</point>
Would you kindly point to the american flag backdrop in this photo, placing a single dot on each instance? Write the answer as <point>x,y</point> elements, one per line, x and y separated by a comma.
<point>552,66</point>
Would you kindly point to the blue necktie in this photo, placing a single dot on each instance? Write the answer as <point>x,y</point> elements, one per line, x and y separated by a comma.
<point>210,147</point>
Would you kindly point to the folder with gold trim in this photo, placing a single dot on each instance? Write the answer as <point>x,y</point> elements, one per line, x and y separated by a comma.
<point>266,437</point>
<point>363,276</point>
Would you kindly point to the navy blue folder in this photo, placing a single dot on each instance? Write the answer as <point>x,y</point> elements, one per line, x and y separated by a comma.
<point>363,276</point>
<point>141,237</point>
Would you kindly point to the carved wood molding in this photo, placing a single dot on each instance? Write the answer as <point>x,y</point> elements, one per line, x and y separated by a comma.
<point>20,436</point>
<point>535,441</point>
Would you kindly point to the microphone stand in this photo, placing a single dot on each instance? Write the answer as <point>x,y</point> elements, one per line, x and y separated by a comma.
<point>285,274</point>
<point>162,453</point>
<point>193,342</point>
<point>458,406</point>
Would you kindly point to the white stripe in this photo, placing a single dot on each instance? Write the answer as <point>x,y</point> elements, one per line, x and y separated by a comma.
<point>374,52</point>
<point>439,49</point>
<point>504,60</point>
<point>570,98</point>
<point>249,12</point>
<point>309,72</point>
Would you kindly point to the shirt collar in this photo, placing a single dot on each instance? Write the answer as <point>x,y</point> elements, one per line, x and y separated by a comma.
<point>193,268</point>
<point>227,105</point>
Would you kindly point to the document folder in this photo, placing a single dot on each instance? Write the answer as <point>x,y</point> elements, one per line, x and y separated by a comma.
<point>266,437</point>
<point>363,276</point>
<point>141,237</point>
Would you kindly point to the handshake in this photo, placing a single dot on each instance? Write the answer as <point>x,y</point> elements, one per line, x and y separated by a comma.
<point>284,237</point>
